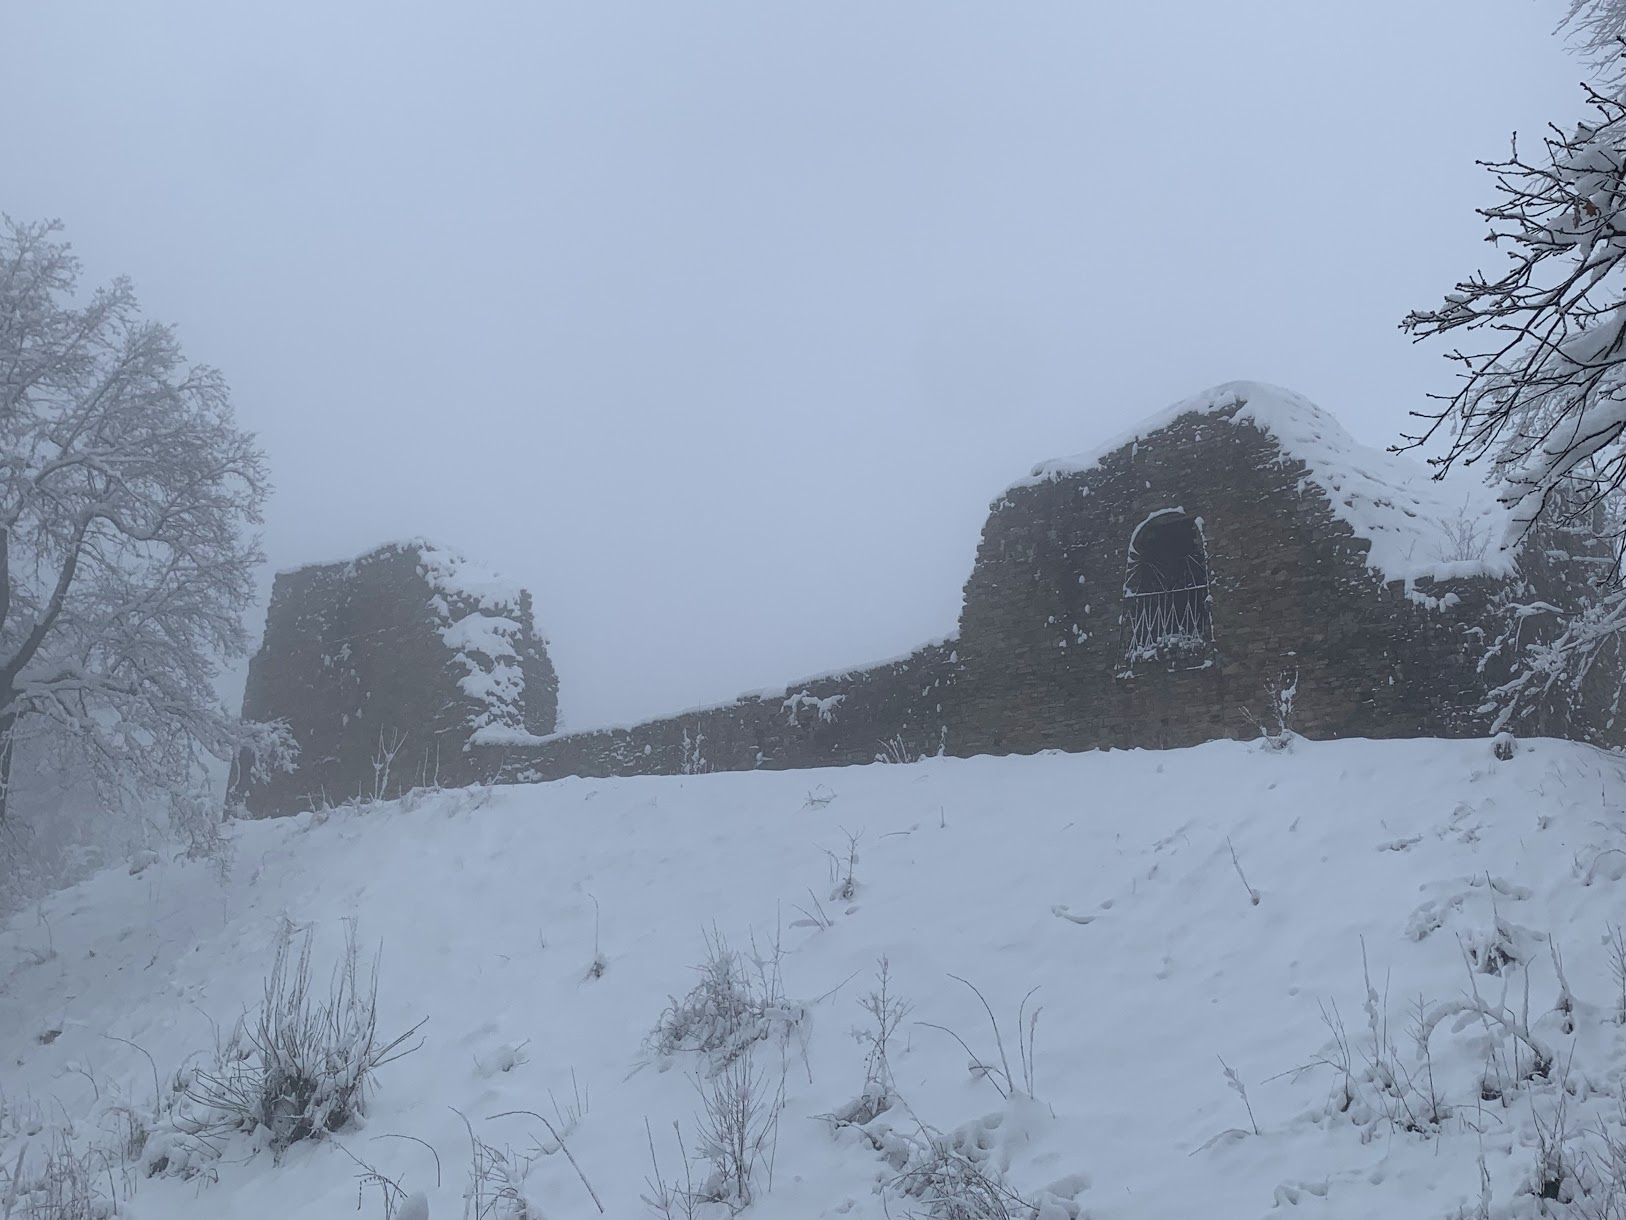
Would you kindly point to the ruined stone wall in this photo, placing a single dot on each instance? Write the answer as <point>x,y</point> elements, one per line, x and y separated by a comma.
<point>895,710</point>
<point>356,659</point>
<point>392,643</point>
<point>1041,637</point>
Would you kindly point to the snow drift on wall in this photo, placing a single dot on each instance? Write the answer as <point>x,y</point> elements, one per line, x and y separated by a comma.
<point>1418,526</point>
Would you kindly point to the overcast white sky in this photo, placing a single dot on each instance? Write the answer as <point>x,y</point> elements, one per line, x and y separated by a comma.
<point>719,324</point>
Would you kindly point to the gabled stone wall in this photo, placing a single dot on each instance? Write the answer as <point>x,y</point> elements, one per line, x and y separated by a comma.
<point>1045,662</point>
<point>1041,634</point>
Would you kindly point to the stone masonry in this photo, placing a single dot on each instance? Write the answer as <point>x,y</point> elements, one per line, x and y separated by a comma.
<point>1157,595</point>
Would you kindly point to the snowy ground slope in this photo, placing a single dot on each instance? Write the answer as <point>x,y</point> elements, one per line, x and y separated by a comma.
<point>1107,880</point>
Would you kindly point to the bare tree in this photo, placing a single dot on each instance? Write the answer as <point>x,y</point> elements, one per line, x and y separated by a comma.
<point>1542,397</point>
<point>127,495</point>
<point>1598,27</point>
<point>1543,391</point>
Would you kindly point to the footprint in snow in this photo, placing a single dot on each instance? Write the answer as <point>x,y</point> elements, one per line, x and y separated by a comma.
<point>1293,1193</point>
<point>1062,911</point>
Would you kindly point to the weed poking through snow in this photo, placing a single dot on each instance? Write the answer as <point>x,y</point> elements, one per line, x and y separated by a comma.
<point>304,1065</point>
<point>999,1074</point>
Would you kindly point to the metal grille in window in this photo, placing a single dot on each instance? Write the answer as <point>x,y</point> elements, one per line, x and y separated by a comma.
<point>1166,593</point>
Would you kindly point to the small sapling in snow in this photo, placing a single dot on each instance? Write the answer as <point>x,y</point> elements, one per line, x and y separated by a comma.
<point>843,868</point>
<point>886,1012</point>
<point>596,968</point>
<point>1281,693</point>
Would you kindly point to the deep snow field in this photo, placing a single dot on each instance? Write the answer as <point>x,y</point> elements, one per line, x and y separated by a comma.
<point>1111,882</point>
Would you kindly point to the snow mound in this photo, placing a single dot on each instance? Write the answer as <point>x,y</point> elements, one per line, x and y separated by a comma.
<point>1418,526</point>
<point>1401,887</point>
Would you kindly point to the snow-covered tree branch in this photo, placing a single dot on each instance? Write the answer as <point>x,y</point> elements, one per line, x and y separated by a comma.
<point>127,496</point>
<point>1543,393</point>
<point>1542,397</point>
<point>1598,27</point>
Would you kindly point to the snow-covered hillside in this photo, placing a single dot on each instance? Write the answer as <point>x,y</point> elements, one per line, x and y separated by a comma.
<point>1284,913</point>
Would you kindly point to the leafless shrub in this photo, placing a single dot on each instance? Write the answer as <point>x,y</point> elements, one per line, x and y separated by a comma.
<point>670,1201</point>
<point>843,868</point>
<point>738,1140</point>
<point>895,749</point>
<point>383,761</point>
<point>736,1003</point>
<point>1376,1088</point>
<point>739,1132</point>
<point>886,1011</point>
<point>1462,538</point>
<point>556,1136</point>
<point>1281,693</point>
<point>496,1188</point>
<point>303,1066</point>
<point>692,761</point>
<point>946,1182</point>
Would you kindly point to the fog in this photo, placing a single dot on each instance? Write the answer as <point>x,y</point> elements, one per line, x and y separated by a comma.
<point>718,325</point>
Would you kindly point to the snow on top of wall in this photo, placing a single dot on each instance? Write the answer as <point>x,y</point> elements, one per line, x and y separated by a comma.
<point>782,694</point>
<point>453,573</point>
<point>1418,526</point>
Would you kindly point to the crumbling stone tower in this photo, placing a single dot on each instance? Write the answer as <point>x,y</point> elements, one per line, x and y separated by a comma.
<point>390,670</point>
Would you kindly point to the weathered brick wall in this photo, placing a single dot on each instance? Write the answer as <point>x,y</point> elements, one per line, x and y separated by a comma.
<point>353,656</point>
<point>355,650</point>
<point>1042,642</point>
<point>836,720</point>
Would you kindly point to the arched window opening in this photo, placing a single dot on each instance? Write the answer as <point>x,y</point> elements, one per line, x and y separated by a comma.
<point>1167,606</point>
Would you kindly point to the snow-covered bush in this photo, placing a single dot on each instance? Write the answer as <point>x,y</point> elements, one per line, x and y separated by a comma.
<point>963,1174</point>
<point>496,1189</point>
<point>303,1065</point>
<point>736,1003</point>
<point>738,1139</point>
<point>949,1179</point>
<point>739,1130</point>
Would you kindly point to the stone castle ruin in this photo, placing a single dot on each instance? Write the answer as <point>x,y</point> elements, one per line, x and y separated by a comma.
<point>1171,588</point>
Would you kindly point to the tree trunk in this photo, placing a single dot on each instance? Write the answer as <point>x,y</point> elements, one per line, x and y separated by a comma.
<point>8,726</point>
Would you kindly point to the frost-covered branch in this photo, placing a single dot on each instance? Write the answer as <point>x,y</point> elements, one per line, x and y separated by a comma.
<point>1543,395</point>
